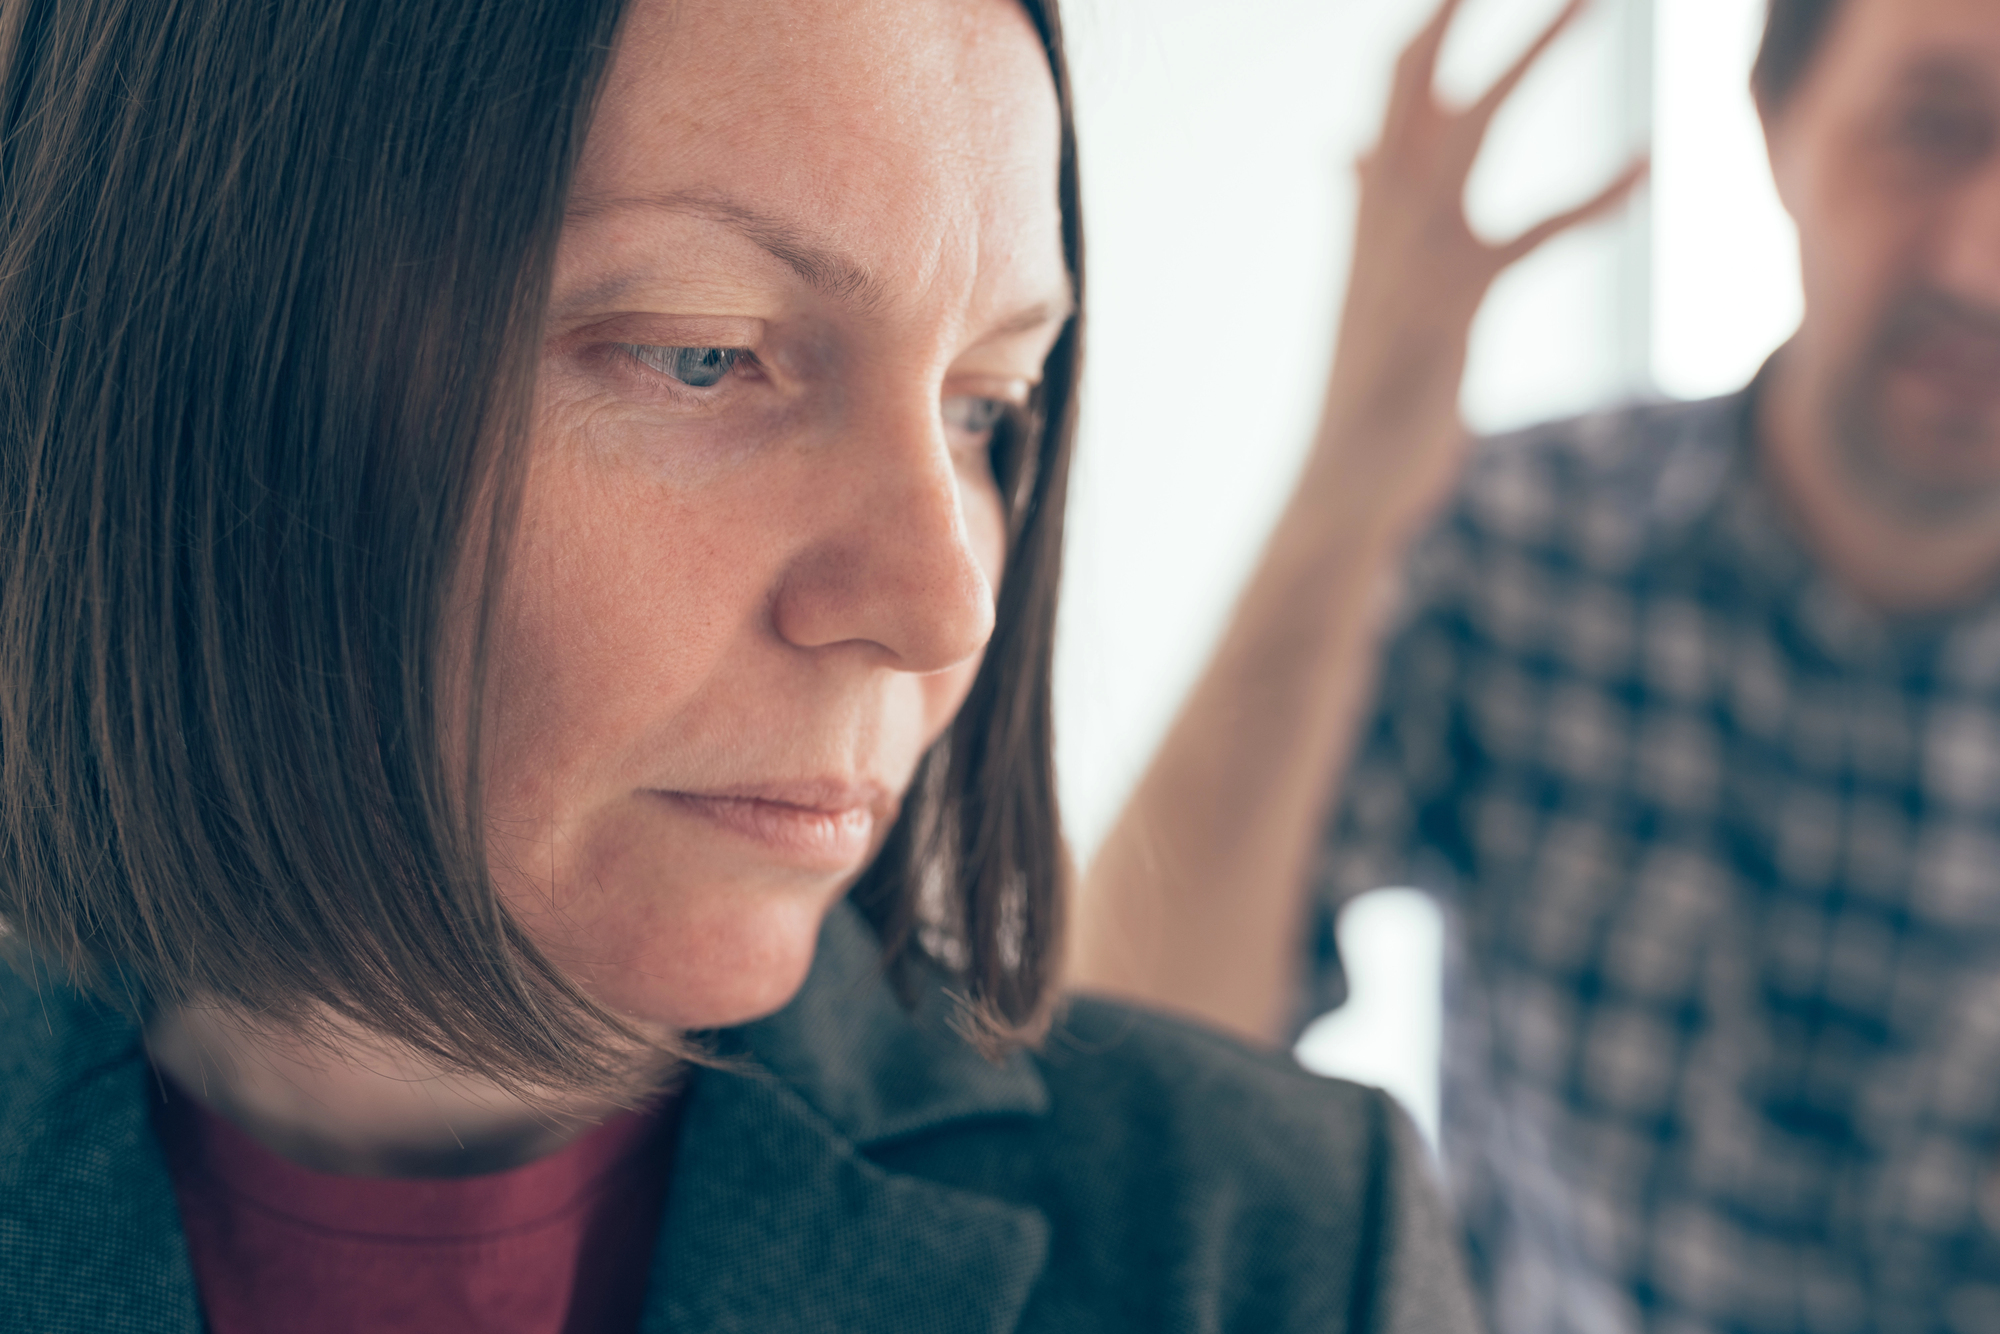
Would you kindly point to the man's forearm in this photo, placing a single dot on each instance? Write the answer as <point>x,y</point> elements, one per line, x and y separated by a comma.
<point>1196,898</point>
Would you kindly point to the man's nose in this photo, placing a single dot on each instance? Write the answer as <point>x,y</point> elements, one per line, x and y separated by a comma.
<point>1967,262</point>
<point>891,561</point>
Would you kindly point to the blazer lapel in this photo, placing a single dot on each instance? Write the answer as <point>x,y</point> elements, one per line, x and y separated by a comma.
<point>90,1235</point>
<point>775,1224</point>
<point>776,1221</point>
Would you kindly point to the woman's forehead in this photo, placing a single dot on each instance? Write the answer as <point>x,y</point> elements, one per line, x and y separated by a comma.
<point>918,140</point>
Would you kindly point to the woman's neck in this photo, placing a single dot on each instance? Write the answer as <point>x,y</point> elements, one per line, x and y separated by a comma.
<point>354,1104</point>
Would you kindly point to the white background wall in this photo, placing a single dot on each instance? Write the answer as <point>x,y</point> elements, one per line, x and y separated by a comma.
<point>1725,272</point>
<point>1217,143</point>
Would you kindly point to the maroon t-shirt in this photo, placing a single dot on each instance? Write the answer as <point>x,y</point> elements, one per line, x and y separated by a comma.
<point>563,1245</point>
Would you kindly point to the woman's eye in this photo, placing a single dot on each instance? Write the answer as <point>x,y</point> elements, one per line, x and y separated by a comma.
<point>967,415</point>
<point>697,367</point>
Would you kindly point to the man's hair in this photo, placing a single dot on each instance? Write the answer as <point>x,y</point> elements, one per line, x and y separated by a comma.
<point>272,279</point>
<point>1792,35</point>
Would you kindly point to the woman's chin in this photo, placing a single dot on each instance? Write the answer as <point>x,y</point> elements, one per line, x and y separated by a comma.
<point>725,964</point>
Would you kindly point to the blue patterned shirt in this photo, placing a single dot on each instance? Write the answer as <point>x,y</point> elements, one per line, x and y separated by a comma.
<point>1720,850</point>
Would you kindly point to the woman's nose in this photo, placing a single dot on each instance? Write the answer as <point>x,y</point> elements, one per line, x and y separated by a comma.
<point>892,560</point>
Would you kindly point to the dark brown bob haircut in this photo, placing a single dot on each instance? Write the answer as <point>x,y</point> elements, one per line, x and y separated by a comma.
<point>272,280</point>
<point>1792,35</point>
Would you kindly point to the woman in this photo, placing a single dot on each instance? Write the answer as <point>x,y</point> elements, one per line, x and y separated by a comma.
<point>533,535</point>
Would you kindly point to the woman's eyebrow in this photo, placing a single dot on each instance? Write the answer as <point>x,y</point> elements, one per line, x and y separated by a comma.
<point>824,270</point>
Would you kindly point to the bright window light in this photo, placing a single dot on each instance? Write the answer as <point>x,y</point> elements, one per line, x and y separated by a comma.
<point>1388,1033</point>
<point>1725,256</point>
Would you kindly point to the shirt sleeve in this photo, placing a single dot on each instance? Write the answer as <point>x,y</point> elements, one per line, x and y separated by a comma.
<point>1388,823</point>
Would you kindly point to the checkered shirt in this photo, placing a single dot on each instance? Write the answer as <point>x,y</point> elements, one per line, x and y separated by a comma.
<point>1720,850</point>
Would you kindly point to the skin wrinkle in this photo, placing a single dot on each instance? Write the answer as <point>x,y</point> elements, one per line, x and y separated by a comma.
<point>825,271</point>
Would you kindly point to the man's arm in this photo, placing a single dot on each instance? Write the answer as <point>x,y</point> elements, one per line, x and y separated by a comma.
<point>1196,898</point>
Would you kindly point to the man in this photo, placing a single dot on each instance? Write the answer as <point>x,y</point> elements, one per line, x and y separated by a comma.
<point>1692,714</point>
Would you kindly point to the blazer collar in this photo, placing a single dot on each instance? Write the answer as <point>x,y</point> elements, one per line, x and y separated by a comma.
<point>776,1221</point>
<point>90,1233</point>
<point>875,1070</point>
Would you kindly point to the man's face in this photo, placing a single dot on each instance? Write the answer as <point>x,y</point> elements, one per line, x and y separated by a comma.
<point>1887,155</point>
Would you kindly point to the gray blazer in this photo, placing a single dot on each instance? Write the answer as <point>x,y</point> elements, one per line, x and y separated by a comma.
<point>861,1170</point>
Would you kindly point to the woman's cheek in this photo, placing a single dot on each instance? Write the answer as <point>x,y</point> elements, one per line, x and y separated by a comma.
<point>945,694</point>
<point>609,616</point>
<point>598,413</point>
<point>985,522</point>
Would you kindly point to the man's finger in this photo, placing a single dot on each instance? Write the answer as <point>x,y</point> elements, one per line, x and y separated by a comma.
<point>1603,202</point>
<point>1481,113</point>
<point>1416,68</point>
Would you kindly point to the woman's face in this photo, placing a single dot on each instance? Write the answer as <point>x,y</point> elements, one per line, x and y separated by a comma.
<point>813,249</point>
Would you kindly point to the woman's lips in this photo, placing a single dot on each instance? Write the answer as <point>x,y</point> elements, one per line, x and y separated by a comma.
<point>824,832</point>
